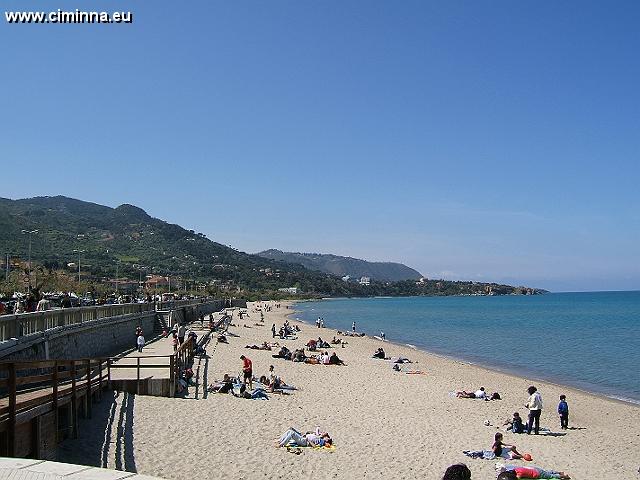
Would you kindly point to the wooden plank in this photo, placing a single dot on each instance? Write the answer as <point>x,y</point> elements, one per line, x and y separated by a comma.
<point>88,400</point>
<point>33,379</point>
<point>138,377</point>
<point>11,437</point>
<point>55,399</point>
<point>74,402</point>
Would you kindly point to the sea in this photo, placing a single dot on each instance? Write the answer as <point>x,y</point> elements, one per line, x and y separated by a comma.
<point>589,341</point>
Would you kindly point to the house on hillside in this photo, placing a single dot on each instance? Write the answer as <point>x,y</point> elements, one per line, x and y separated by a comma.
<point>156,281</point>
<point>365,281</point>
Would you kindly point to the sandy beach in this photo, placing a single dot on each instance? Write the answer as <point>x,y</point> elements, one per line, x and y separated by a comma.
<point>385,424</point>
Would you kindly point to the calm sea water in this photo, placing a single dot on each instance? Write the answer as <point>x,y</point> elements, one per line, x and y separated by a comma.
<point>587,340</point>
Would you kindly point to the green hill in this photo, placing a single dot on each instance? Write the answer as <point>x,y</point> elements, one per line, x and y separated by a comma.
<point>342,266</point>
<point>128,241</point>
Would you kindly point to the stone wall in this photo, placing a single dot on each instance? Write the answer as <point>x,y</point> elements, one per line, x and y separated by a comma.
<point>103,337</point>
<point>97,338</point>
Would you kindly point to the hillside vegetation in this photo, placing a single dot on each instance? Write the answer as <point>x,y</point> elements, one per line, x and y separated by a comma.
<point>128,241</point>
<point>343,266</point>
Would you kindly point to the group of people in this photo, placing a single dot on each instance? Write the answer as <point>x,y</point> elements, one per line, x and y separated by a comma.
<point>313,344</point>
<point>460,471</point>
<point>285,331</point>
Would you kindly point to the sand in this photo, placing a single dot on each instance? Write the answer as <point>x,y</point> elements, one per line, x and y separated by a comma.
<point>385,424</point>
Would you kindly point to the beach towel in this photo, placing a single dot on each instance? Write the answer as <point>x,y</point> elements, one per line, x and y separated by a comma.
<point>483,454</point>
<point>296,448</point>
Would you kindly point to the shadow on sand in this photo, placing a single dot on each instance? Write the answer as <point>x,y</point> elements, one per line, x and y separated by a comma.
<point>96,445</point>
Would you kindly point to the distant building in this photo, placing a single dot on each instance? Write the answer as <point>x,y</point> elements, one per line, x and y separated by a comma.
<point>291,290</point>
<point>365,281</point>
<point>156,281</point>
<point>346,278</point>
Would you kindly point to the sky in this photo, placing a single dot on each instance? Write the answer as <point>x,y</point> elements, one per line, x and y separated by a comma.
<point>476,140</point>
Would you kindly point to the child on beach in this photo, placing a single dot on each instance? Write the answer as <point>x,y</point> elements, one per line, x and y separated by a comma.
<point>501,449</point>
<point>563,411</point>
<point>515,424</point>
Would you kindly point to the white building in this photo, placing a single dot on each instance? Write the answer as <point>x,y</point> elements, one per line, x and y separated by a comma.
<point>291,290</point>
<point>364,281</point>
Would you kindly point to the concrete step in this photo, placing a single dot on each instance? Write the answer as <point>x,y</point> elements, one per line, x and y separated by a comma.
<point>28,469</point>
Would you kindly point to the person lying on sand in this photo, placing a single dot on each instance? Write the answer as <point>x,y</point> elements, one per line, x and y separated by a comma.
<point>514,472</point>
<point>480,393</point>
<point>292,437</point>
<point>401,360</point>
<point>264,346</point>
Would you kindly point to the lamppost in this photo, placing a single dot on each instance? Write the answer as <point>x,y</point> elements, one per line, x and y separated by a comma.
<point>78,251</point>
<point>30,233</point>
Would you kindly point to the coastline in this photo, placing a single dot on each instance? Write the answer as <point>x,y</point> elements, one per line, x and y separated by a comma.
<point>515,373</point>
<point>385,424</point>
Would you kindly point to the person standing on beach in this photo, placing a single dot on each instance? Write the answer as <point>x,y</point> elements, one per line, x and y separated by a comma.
<point>563,411</point>
<point>247,370</point>
<point>273,330</point>
<point>353,327</point>
<point>181,331</point>
<point>140,342</point>
<point>535,409</point>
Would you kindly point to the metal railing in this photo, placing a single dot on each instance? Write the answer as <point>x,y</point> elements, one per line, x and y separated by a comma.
<point>16,326</point>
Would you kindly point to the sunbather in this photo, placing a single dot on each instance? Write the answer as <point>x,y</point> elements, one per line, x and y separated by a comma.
<point>225,386</point>
<point>256,393</point>
<point>379,353</point>
<point>334,360</point>
<point>293,437</point>
<point>514,472</point>
<point>504,450</point>
<point>477,394</point>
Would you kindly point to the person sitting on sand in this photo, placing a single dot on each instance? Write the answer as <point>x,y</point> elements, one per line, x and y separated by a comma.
<point>283,353</point>
<point>335,340</point>
<point>311,345</point>
<point>379,353</point>
<point>515,425</point>
<point>225,386</point>
<point>292,437</point>
<point>458,471</point>
<point>334,360</point>
<point>255,394</point>
<point>501,449</point>
<point>298,355</point>
<point>323,358</point>
<point>514,472</point>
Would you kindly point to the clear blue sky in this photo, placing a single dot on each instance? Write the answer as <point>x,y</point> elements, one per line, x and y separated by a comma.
<point>483,140</point>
